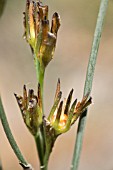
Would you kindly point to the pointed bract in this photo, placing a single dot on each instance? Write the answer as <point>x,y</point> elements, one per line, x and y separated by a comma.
<point>57,89</point>
<point>68,102</point>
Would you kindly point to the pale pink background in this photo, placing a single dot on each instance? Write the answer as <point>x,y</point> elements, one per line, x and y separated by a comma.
<point>70,62</point>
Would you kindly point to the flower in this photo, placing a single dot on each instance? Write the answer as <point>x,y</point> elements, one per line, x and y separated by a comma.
<point>63,115</point>
<point>38,34</point>
<point>31,109</point>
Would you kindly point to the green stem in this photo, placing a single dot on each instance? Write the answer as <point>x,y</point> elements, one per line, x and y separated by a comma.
<point>40,138</point>
<point>43,156</point>
<point>40,147</point>
<point>47,154</point>
<point>88,82</point>
<point>40,70</point>
<point>10,137</point>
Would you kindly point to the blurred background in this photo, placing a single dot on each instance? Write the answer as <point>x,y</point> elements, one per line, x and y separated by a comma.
<point>69,64</point>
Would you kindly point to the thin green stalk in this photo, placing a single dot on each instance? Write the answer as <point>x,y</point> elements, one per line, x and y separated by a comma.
<point>40,138</point>
<point>40,144</point>
<point>39,74</point>
<point>11,138</point>
<point>88,82</point>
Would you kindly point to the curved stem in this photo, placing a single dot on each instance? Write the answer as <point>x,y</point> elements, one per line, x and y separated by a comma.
<point>11,138</point>
<point>88,82</point>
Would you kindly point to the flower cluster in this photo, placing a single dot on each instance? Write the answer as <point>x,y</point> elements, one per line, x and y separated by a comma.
<point>38,33</point>
<point>62,115</point>
<point>31,109</point>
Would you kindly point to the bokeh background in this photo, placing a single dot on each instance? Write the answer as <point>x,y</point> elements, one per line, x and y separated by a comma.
<point>69,64</point>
